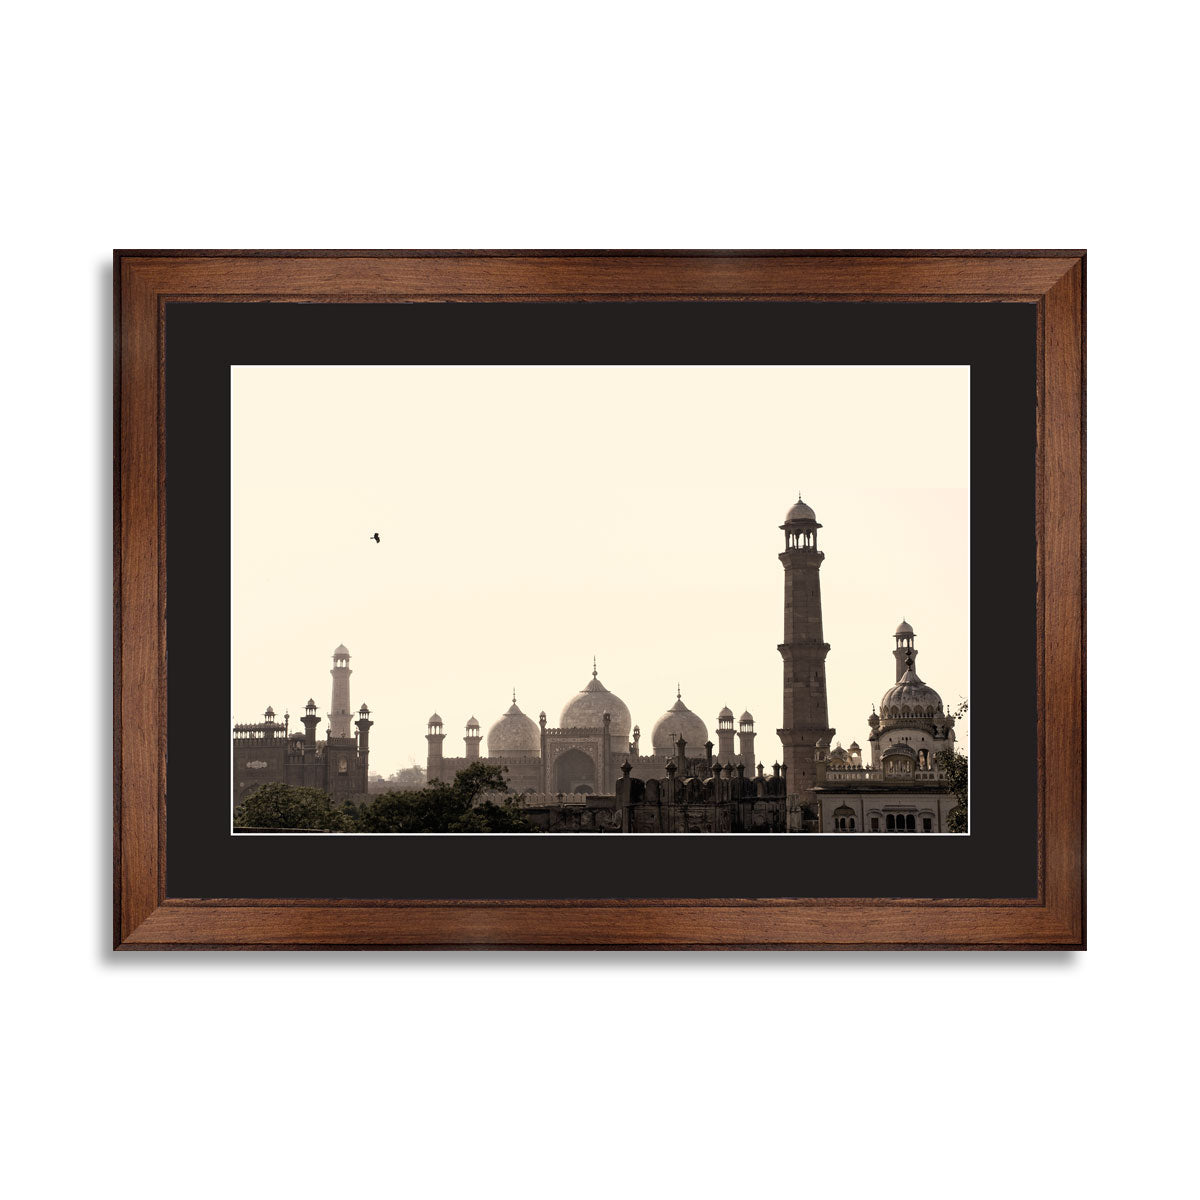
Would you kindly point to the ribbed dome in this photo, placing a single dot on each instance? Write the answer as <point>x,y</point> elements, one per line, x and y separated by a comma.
<point>726,714</point>
<point>904,629</point>
<point>746,718</point>
<point>678,721</point>
<point>586,709</point>
<point>514,735</point>
<point>799,512</point>
<point>909,698</point>
<point>434,720</point>
<point>341,652</point>
<point>472,723</point>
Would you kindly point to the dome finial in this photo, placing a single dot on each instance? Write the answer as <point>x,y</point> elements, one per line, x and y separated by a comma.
<point>678,694</point>
<point>593,666</point>
<point>514,695</point>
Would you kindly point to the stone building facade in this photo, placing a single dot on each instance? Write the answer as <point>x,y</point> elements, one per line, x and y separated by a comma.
<point>267,751</point>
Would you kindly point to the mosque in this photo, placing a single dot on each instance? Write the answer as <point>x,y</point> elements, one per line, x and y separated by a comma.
<point>590,772</point>
<point>594,760</point>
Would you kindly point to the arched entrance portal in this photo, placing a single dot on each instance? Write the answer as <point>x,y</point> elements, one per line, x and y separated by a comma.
<point>574,771</point>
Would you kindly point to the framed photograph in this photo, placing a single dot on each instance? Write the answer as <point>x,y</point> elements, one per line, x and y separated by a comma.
<point>431,566</point>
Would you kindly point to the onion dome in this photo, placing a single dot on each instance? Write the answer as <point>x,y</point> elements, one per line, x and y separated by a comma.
<point>472,723</point>
<point>746,718</point>
<point>726,714</point>
<point>904,629</point>
<point>799,512</point>
<point>855,746</point>
<point>514,735</point>
<point>910,697</point>
<point>341,652</point>
<point>678,722</point>
<point>269,713</point>
<point>586,709</point>
<point>435,720</point>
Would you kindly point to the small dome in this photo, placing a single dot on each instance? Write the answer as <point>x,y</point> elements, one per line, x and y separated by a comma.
<point>341,652</point>
<point>269,713</point>
<point>910,697</point>
<point>435,720</point>
<point>855,746</point>
<point>586,709</point>
<point>746,719</point>
<point>799,512</point>
<point>514,735</point>
<point>364,708</point>
<point>843,810</point>
<point>678,722</point>
<point>472,723</point>
<point>904,629</point>
<point>726,714</point>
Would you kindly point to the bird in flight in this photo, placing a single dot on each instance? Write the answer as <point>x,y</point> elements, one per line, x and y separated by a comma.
<point>375,536</point>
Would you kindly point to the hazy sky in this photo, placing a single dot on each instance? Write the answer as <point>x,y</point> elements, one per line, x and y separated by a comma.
<point>531,517</point>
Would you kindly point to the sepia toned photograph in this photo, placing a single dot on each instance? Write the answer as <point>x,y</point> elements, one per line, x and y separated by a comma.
<point>567,600</point>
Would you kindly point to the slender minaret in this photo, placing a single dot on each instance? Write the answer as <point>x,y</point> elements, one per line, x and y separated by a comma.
<point>310,721</point>
<point>805,706</point>
<point>435,737</point>
<point>904,648</point>
<point>363,725</point>
<point>746,740</point>
<point>725,732</point>
<point>472,739</point>
<point>340,716</point>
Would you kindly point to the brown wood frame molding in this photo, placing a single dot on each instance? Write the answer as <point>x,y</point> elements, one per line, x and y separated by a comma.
<point>144,919</point>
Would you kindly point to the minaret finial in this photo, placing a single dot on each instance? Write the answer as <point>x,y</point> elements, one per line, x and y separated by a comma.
<point>593,666</point>
<point>514,695</point>
<point>678,695</point>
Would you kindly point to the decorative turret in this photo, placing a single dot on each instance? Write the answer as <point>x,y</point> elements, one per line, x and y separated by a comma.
<point>905,652</point>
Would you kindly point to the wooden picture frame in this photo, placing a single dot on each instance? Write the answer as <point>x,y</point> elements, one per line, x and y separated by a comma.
<point>145,918</point>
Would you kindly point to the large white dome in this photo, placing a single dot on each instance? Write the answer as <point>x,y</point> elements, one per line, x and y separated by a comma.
<point>586,709</point>
<point>514,736</point>
<point>678,721</point>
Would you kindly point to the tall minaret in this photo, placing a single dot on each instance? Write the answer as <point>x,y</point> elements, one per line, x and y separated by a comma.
<point>905,652</point>
<point>805,707</point>
<point>340,716</point>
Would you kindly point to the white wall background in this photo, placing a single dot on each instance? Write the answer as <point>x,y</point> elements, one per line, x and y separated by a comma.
<point>256,124</point>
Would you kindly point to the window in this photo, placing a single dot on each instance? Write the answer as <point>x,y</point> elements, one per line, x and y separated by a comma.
<point>891,822</point>
<point>874,824</point>
<point>910,824</point>
<point>927,824</point>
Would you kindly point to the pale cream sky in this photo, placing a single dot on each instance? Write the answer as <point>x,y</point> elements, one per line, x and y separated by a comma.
<point>531,517</point>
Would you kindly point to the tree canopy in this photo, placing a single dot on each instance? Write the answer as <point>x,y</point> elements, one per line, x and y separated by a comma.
<point>447,807</point>
<point>436,808</point>
<point>954,770</point>
<point>280,806</point>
